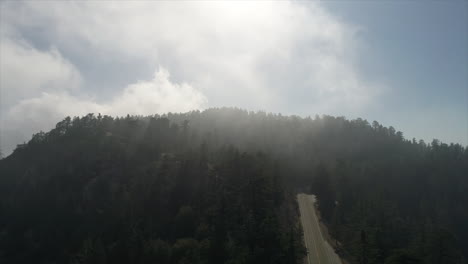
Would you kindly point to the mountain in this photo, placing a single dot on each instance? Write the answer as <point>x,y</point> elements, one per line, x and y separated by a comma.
<point>219,186</point>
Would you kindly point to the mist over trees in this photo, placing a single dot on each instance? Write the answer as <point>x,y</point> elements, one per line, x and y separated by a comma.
<point>219,186</point>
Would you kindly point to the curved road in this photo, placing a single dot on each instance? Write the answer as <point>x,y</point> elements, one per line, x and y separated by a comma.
<point>319,251</point>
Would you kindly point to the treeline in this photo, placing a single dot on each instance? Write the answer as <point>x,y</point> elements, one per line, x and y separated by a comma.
<point>138,190</point>
<point>218,186</point>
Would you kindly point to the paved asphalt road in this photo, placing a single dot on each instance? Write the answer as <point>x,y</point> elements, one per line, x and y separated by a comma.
<point>319,251</point>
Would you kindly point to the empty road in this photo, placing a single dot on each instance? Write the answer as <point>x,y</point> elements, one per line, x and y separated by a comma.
<point>319,251</point>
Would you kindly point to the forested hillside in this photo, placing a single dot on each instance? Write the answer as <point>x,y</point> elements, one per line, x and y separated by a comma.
<point>219,186</point>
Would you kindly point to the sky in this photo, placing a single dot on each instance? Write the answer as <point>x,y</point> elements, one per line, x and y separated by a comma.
<point>402,63</point>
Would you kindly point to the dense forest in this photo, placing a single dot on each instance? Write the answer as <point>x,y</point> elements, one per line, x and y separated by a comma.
<point>219,186</point>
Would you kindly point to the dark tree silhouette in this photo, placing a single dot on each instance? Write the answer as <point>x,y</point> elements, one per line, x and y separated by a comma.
<point>219,186</point>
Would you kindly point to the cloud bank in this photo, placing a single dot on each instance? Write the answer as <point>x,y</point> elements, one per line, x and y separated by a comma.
<point>277,56</point>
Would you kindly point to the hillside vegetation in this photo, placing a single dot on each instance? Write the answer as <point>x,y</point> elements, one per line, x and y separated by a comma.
<point>219,186</point>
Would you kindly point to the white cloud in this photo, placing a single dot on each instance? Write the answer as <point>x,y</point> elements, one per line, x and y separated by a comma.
<point>231,50</point>
<point>156,96</point>
<point>26,72</point>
